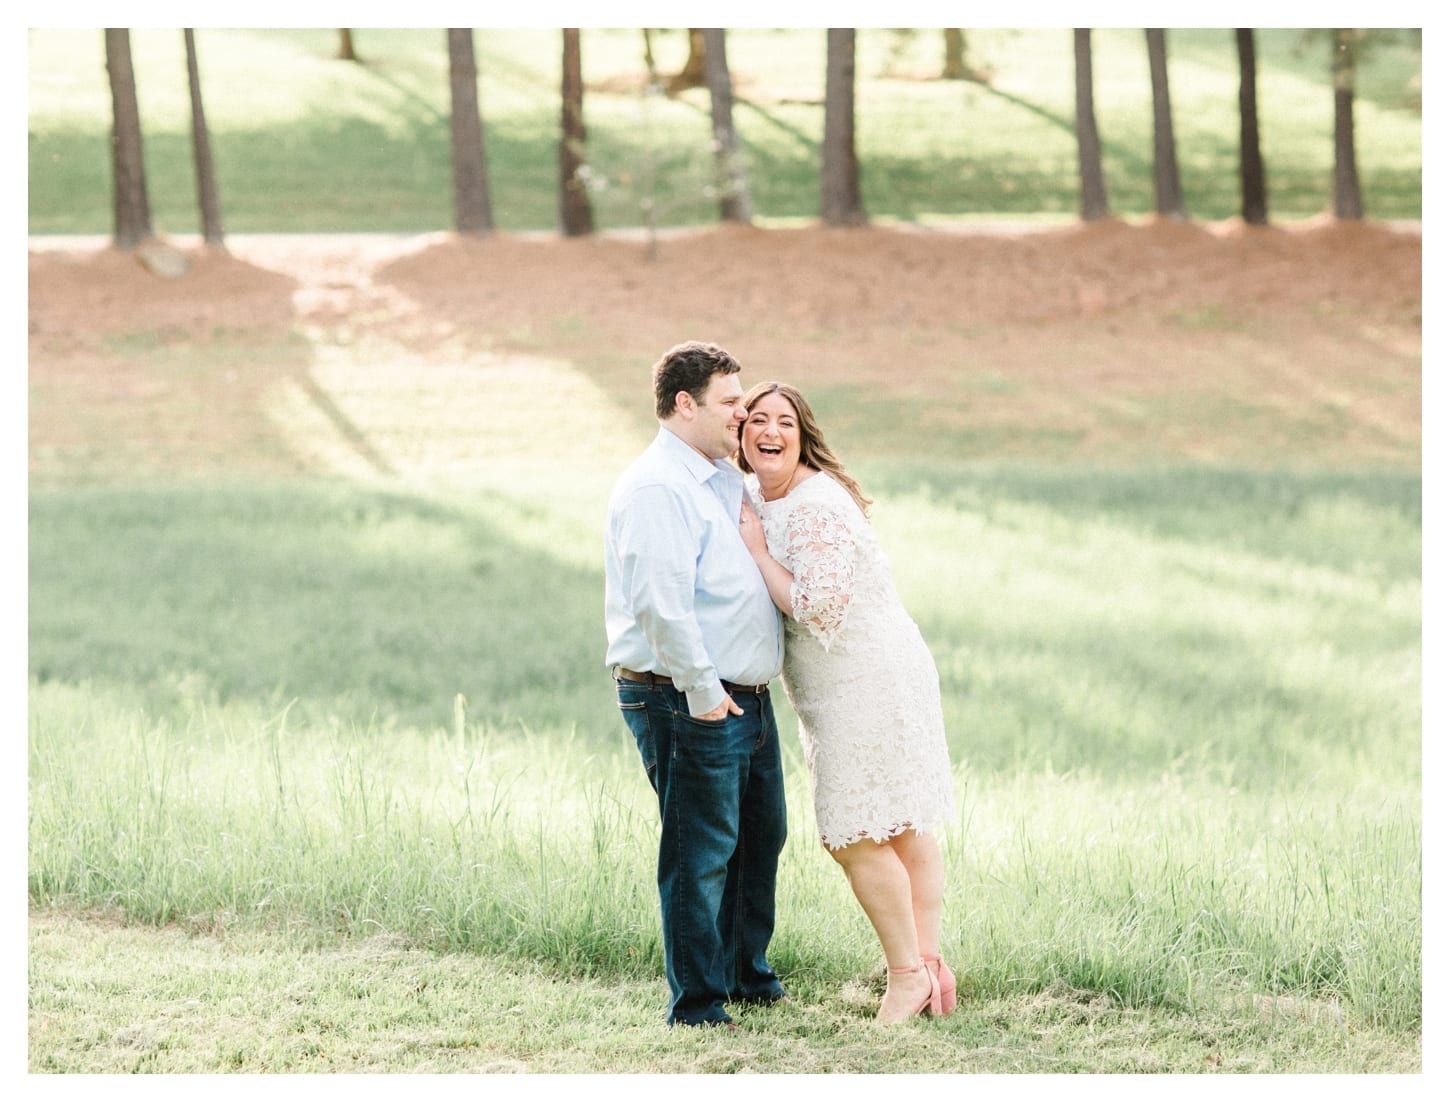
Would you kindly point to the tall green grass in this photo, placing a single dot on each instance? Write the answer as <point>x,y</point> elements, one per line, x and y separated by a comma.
<point>306,143</point>
<point>1177,894</point>
<point>1184,712</point>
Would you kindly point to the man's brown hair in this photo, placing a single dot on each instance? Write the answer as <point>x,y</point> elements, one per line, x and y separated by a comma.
<point>688,367</point>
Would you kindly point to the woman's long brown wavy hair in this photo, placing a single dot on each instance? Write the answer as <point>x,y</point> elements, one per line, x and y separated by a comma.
<point>815,452</point>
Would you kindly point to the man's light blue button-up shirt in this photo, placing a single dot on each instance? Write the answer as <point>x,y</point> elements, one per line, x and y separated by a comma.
<point>682,595</point>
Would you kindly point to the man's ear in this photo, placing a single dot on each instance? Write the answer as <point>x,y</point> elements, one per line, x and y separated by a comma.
<point>684,403</point>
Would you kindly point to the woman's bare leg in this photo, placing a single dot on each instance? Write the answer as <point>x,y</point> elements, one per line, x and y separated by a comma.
<point>920,856</point>
<point>882,886</point>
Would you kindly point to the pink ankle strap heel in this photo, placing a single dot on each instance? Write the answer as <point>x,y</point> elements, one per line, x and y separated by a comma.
<point>933,1000</point>
<point>947,981</point>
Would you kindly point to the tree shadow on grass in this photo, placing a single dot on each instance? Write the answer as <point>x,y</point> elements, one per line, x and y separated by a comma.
<point>359,605</point>
<point>225,577</point>
<point>132,374</point>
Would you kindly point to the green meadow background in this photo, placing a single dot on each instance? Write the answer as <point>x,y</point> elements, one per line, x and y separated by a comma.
<point>325,774</point>
<point>306,143</point>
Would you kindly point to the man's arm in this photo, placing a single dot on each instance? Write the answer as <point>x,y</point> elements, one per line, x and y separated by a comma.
<point>658,547</point>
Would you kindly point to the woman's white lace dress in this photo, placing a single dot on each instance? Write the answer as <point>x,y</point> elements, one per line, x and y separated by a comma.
<point>857,672</point>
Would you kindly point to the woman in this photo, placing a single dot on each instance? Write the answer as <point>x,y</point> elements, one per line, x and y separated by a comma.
<point>864,686</point>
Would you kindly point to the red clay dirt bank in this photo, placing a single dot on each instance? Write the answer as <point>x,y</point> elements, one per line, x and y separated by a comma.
<point>1065,323</point>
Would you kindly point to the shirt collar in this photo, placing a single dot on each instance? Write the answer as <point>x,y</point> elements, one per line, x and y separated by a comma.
<point>703,469</point>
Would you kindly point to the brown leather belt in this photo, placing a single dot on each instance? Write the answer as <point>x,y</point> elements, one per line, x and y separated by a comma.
<point>661,679</point>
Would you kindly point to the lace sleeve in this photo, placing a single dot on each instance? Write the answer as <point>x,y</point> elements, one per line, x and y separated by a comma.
<point>822,551</point>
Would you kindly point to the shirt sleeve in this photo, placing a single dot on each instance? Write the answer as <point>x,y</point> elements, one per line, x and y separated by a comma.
<point>822,551</point>
<point>658,548</point>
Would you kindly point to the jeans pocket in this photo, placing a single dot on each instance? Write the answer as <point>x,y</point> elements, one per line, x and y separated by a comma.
<point>637,719</point>
<point>708,724</point>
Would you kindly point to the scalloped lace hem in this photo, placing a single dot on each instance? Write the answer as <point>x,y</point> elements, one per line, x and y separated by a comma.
<point>878,834</point>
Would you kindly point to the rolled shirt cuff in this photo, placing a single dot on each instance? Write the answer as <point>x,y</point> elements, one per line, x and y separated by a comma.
<point>706,699</point>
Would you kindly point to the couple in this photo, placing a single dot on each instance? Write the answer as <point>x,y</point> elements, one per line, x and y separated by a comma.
<point>698,560</point>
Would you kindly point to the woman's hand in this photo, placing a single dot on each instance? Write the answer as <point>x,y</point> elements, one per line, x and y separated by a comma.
<point>777,578</point>
<point>751,530</point>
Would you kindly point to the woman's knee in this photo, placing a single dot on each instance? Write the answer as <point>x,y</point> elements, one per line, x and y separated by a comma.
<point>865,854</point>
<point>914,847</point>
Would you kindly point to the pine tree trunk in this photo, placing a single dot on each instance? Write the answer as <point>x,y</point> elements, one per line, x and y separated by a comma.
<point>1094,195</point>
<point>693,73</point>
<point>1253,191</point>
<point>652,71</point>
<point>840,174</point>
<point>575,213</point>
<point>1167,190</point>
<point>954,65</point>
<point>206,187</point>
<point>472,211</point>
<point>730,176</point>
<point>1348,204</point>
<point>132,209</point>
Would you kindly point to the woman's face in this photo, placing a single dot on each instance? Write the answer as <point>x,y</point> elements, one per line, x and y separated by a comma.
<point>771,438</point>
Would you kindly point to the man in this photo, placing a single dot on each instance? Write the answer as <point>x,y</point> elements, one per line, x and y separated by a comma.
<point>693,640</point>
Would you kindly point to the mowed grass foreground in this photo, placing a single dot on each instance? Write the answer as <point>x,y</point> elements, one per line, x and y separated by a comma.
<point>334,771</point>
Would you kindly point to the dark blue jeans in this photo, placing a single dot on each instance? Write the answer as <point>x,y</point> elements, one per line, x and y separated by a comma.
<point>722,826</point>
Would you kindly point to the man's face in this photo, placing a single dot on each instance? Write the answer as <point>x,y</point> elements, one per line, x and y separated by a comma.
<point>715,427</point>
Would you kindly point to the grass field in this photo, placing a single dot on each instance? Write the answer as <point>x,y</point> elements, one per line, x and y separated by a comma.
<point>324,771</point>
<point>1184,715</point>
<point>306,143</point>
<point>1187,750</point>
